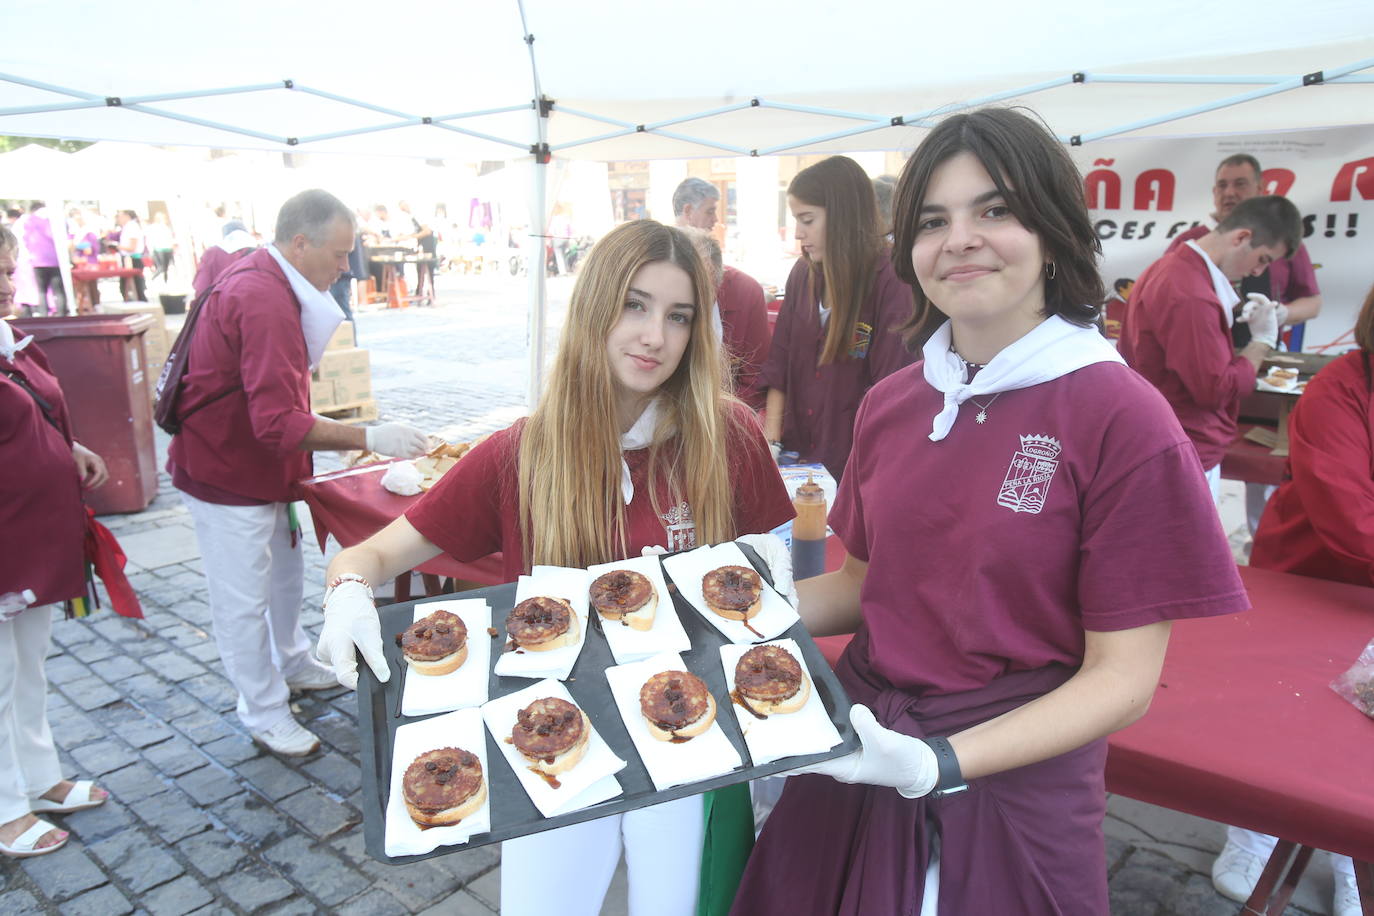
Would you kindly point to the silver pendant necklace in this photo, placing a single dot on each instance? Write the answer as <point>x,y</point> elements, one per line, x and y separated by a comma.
<point>982,416</point>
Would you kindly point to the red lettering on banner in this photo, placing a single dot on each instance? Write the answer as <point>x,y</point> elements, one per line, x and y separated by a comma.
<point>1277,181</point>
<point>1103,184</point>
<point>1154,186</point>
<point>1354,176</point>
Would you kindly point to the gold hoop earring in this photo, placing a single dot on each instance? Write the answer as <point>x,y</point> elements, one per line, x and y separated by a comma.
<point>1050,270</point>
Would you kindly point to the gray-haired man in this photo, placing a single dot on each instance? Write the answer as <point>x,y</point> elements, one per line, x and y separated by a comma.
<point>694,204</point>
<point>245,441</point>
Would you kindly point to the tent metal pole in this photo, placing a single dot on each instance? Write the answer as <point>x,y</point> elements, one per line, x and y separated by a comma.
<point>597,139</point>
<point>1296,82</point>
<point>988,99</point>
<point>827,112</point>
<point>1211,79</point>
<point>538,283</point>
<point>591,116</point>
<point>538,288</point>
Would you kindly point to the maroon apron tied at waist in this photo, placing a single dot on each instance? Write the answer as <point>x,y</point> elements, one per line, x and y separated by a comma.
<point>1026,841</point>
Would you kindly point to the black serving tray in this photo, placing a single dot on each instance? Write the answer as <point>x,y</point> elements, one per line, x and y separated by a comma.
<point>512,812</point>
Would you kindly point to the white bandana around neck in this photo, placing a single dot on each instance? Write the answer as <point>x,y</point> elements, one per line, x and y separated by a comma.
<point>1224,288</point>
<point>237,240</point>
<point>8,345</point>
<point>640,435</point>
<point>1052,349</point>
<point>320,314</point>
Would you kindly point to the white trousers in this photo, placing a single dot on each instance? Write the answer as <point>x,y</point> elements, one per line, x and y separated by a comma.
<point>256,581</point>
<point>1256,498</point>
<point>1213,476</point>
<point>28,759</point>
<point>1262,845</point>
<point>566,871</point>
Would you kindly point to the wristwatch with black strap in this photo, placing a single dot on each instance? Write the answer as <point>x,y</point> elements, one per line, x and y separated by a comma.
<point>951,780</point>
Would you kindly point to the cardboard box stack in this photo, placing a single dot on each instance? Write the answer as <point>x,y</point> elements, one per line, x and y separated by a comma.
<point>341,385</point>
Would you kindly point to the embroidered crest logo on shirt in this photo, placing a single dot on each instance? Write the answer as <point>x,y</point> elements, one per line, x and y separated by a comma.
<point>680,528</point>
<point>863,334</point>
<point>1028,478</point>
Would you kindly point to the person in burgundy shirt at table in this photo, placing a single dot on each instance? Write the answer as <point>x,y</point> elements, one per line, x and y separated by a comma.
<point>835,336</point>
<point>1319,523</point>
<point>245,441</point>
<point>1292,282</point>
<point>742,325</point>
<point>1023,518</point>
<point>236,244</point>
<point>42,538</point>
<point>742,305</point>
<point>1177,332</point>
<point>635,398</point>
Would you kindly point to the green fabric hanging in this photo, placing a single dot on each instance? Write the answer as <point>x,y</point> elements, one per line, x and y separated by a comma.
<point>729,840</point>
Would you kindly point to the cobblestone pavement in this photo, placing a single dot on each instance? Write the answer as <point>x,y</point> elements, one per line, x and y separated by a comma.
<point>203,821</point>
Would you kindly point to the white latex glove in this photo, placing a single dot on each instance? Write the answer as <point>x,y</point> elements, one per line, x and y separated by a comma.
<point>1255,299</point>
<point>1264,322</point>
<point>350,619</point>
<point>775,449</point>
<point>774,552</point>
<point>653,551</point>
<point>397,440</point>
<point>887,758</point>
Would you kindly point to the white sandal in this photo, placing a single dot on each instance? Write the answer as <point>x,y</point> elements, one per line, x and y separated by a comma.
<point>78,799</point>
<point>27,843</point>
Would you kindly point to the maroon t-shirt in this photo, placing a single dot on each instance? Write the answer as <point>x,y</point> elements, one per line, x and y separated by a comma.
<point>744,326</point>
<point>245,397</point>
<point>822,400</point>
<point>473,510</point>
<point>1078,505</point>
<point>1176,335</point>
<point>42,520</point>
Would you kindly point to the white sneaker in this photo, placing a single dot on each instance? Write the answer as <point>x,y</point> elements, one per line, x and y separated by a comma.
<point>1236,872</point>
<point>313,677</point>
<point>1346,901</point>
<point>288,738</point>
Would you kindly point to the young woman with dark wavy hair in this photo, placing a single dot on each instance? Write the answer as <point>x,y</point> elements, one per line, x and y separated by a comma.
<point>1023,518</point>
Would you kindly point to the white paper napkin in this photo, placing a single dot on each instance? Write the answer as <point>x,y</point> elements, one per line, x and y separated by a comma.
<point>1290,388</point>
<point>551,582</point>
<point>666,635</point>
<point>467,686</point>
<point>595,771</point>
<point>708,754</point>
<point>772,620</point>
<point>806,731</point>
<point>461,729</point>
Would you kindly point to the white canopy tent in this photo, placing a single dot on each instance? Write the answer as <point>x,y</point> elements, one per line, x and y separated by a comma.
<point>536,79</point>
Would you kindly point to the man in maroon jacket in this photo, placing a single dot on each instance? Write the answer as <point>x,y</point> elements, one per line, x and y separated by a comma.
<point>1291,282</point>
<point>246,439</point>
<point>1177,331</point>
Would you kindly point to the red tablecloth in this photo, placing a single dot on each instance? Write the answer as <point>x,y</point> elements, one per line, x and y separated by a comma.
<point>1252,463</point>
<point>87,274</point>
<point>1244,728</point>
<point>352,506</point>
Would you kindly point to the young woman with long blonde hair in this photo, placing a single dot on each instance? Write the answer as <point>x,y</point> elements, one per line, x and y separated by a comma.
<point>634,444</point>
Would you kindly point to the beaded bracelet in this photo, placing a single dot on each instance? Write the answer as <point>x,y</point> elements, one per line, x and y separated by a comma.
<point>346,577</point>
